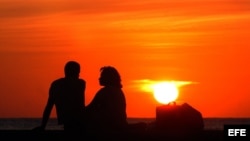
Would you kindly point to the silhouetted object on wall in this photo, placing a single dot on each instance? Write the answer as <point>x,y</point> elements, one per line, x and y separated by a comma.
<point>107,111</point>
<point>67,94</point>
<point>179,118</point>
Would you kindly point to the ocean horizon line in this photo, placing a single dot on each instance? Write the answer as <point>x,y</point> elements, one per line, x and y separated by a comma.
<point>27,123</point>
<point>128,117</point>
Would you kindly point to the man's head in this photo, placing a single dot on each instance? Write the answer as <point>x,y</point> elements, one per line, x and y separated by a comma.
<point>72,69</point>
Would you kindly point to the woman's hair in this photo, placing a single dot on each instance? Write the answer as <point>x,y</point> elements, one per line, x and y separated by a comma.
<point>110,77</point>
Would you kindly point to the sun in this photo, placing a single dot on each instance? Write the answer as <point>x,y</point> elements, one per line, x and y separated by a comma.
<point>165,92</point>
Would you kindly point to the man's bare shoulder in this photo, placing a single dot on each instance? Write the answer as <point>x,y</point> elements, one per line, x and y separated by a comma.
<point>59,80</point>
<point>62,81</point>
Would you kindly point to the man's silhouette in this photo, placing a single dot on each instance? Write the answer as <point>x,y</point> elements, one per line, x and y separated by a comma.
<point>67,94</point>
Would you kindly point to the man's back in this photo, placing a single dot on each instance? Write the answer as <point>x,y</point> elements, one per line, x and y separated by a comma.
<point>69,99</point>
<point>67,94</point>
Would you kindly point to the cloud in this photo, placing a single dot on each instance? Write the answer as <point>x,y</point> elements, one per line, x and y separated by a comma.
<point>18,8</point>
<point>146,85</point>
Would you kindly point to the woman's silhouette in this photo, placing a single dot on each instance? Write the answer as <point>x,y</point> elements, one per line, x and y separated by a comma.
<point>107,111</point>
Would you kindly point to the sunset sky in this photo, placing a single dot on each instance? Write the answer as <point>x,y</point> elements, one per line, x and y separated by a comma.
<point>203,45</point>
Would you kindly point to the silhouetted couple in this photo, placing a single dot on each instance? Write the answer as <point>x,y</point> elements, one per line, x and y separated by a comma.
<point>106,112</point>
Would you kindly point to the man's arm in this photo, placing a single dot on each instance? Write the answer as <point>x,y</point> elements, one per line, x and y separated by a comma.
<point>46,114</point>
<point>47,111</point>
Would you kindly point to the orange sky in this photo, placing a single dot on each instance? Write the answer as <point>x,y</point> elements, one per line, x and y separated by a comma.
<point>204,42</point>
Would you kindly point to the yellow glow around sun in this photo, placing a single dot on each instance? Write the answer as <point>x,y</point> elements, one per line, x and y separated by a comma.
<point>165,92</point>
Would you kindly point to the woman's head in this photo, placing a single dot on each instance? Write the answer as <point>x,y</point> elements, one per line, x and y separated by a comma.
<point>110,77</point>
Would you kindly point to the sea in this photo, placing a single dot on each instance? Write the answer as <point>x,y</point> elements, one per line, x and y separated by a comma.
<point>30,123</point>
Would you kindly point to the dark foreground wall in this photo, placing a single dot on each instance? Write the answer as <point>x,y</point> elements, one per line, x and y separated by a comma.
<point>58,135</point>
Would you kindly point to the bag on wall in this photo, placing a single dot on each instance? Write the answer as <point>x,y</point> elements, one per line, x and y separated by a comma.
<point>179,118</point>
